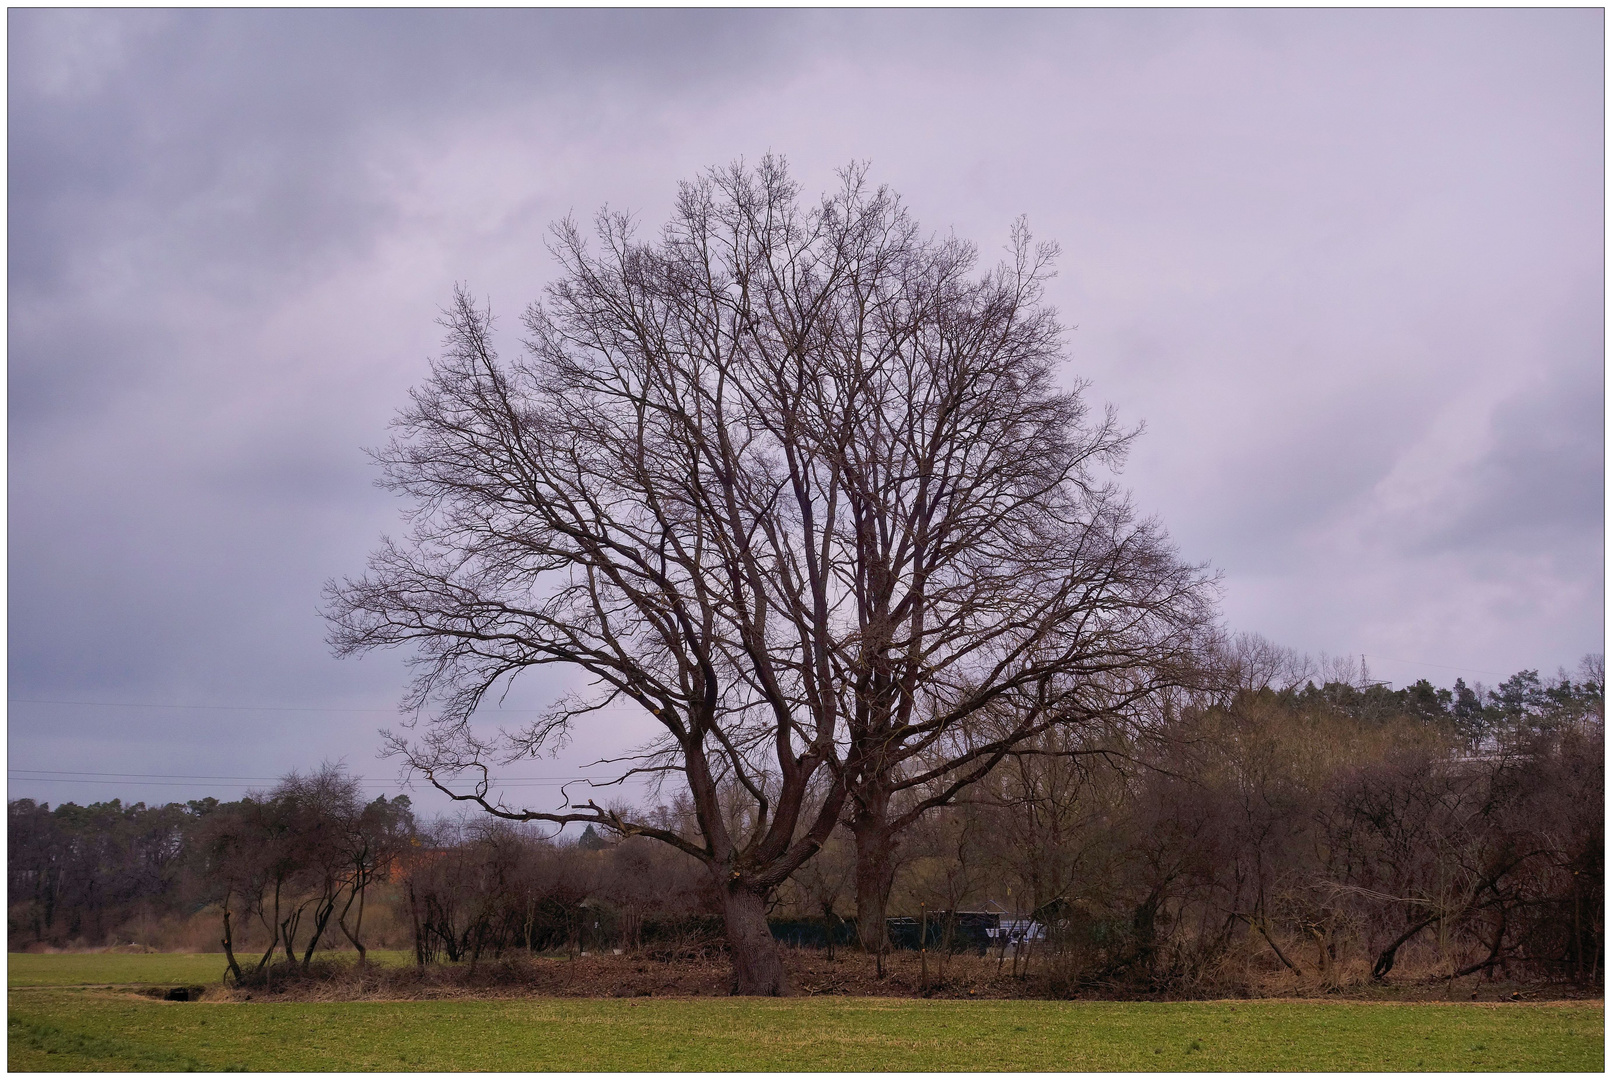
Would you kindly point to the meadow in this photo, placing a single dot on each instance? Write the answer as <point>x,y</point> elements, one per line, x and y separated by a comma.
<point>68,1012</point>
<point>115,968</point>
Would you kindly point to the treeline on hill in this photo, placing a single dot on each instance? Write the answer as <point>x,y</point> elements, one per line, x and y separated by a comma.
<point>1333,833</point>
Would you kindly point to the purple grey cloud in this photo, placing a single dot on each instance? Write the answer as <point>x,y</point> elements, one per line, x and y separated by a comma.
<point>1347,266</point>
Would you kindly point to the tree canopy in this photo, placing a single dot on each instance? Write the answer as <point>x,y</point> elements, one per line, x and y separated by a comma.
<point>797,483</point>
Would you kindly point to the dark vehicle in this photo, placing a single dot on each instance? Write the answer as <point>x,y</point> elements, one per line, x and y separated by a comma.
<point>954,931</point>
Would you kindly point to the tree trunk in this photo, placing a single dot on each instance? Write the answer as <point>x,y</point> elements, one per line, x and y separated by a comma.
<point>1258,923</point>
<point>1385,959</point>
<point>321,919</point>
<point>419,931</point>
<point>758,967</point>
<point>229,944</point>
<point>273,927</point>
<point>288,932</point>
<point>341,921</point>
<point>264,960</point>
<point>875,872</point>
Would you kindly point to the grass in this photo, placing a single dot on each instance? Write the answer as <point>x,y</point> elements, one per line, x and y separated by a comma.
<point>65,1030</point>
<point>83,969</point>
<point>121,969</point>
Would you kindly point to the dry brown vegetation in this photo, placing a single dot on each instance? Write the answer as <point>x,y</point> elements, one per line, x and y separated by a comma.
<point>850,974</point>
<point>1332,840</point>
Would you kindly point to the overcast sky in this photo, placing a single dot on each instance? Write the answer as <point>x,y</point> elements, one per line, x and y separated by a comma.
<point>1346,266</point>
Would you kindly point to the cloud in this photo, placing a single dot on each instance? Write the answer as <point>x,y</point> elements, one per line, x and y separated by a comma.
<point>1347,267</point>
<point>1541,473</point>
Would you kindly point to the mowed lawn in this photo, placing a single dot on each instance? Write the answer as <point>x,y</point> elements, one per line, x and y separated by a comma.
<point>58,1028</point>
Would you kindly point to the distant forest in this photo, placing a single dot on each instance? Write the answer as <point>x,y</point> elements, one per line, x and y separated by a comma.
<point>1326,828</point>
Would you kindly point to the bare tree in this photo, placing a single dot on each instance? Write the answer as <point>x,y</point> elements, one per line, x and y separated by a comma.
<point>319,807</point>
<point>795,484</point>
<point>371,837</point>
<point>1251,663</point>
<point>994,586</point>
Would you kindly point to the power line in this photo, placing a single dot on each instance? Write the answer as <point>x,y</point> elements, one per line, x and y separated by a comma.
<point>221,708</point>
<point>117,783</point>
<point>162,776</point>
<point>17,775</point>
<point>1445,667</point>
<point>198,776</point>
<point>225,708</point>
<point>497,785</point>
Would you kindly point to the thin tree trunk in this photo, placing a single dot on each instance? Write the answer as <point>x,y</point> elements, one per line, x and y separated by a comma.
<point>1385,959</point>
<point>1323,957</point>
<point>321,919</point>
<point>419,931</point>
<point>288,931</point>
<point>1258,923</point>
<point>341,920</point>
<point>358,924</point>
<point>229,944</point>
<point>923,948</point>
<point>264,960</point>
<point>273,927</point>
<point>1494,957</point>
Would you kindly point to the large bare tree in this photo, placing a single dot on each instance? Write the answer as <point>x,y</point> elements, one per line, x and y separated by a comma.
<point>796,484</point>
<point>998,587</point>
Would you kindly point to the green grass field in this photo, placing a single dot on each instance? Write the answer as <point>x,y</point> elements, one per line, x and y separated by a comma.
<point>63,1029</point>
<point>111,969</point>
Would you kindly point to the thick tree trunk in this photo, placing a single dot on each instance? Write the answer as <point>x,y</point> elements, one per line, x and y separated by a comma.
<point>758,968</point>
<point>875,872</point>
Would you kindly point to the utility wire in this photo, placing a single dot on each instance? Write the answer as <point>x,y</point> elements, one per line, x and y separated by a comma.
<point>225,708</point>
<point>1445,667</point>
<point>17,775</point>
<point>220,708</point>
<point>394,711</point>
<point>198,776</point>
<point>189,783</point>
